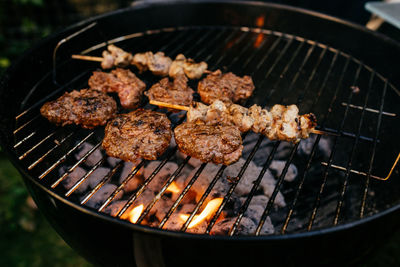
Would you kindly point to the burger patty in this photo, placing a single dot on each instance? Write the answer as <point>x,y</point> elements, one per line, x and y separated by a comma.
<point>88,108</point>
<point>209,143</point>
<point>138,134</point>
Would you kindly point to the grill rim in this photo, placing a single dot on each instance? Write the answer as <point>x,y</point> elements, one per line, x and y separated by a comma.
<point>164,232</point>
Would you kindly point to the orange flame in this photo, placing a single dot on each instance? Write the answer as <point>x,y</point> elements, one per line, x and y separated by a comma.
<point>173,188</point>
<point>208,211</point>
<point>134,215</point>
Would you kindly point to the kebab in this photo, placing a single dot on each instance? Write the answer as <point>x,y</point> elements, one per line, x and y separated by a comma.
<point>158,63</point>
<point>279,123</point>
<point>121,81</point>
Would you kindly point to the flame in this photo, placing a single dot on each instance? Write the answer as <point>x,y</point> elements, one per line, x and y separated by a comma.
<point>135,213</point>
<point>260,38</point>
<point>208,211</point>
<point>173,188</point>
<point>260,21</point>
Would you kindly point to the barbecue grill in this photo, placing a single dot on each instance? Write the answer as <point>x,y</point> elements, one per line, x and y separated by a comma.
<point>342,72</point>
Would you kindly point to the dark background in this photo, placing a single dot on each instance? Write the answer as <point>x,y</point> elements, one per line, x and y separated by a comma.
<point>26,239</point>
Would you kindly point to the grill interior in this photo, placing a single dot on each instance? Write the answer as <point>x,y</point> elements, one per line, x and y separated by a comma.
<point>331,189</point>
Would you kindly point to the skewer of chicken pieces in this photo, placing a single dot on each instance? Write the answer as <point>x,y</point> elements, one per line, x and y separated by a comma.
<point>157,63</point>
<point>279,123</point>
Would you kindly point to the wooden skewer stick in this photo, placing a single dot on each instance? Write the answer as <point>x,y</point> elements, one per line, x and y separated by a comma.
<point>88,58</point>
<point>168,105</point>
<point>186,108</point>
<point>100,59</point>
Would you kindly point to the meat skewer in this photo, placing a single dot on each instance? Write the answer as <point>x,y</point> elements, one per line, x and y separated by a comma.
<point>157,63</point>
<point>280,123</point>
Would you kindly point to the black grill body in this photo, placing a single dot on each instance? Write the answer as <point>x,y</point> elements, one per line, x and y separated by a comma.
<point>113,242</point>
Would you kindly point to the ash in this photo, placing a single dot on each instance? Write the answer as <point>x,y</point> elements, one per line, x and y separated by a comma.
<point>113,172</point>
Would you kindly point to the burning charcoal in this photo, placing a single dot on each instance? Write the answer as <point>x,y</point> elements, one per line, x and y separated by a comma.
<point>192,161</point>
<point>113,161</point>
<point>97,175</point>
<point>306,145</point>
<point>278,165</point>
<point>134,182</point>
<point>73,178</point>
<point>255,211</point>
<point>94,157</point>
<point>161,208</point>
<point>145,198</point>
<point>204,180</point>
<point>162,176</point>
<point>222,227</point>
<point>250,175</point>
<point>115,207</point>
<point>100,196</point>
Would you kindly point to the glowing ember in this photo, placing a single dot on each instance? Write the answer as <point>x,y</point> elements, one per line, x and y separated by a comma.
<point>135,213</point>
<point>173,188</point>
<point>208,211</point>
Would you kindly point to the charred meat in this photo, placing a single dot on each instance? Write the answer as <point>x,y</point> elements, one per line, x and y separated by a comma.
<point>88,108</point>
<point>225,87</point>
<point>121,81</point>
<point>176,92</point>
<point>220,144</point>
<point>138,134</point>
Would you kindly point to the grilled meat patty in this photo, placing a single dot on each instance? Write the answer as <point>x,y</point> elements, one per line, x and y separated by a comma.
<point>88,108</point>
<point>138,134</point>
<point>176,92</point>
<point>225,87</point>
<point>209,143</point>
<point>121,81</point>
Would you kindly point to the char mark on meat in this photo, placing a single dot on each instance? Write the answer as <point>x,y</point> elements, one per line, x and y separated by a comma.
<point>88,108</point>
<point>225,87</point>
<point>138,134</point>
<point>176,92</point>
<point>121,81</point>
<point>221,144</point>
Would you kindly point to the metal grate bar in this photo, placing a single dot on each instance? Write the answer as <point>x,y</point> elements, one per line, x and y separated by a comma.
<point>58,144</point>
<point>253,190</point>
<point>370,110</point>
<point>378,126</point>
<point>182,195</point>
<point>64,157</point>
<point>353,149</point>
<point>325,175</point>
<point>106,178</point>
<point>24,139</point>
<point>203,197</point>
<point>47,97</point>
<point>234,184</point>
<point>276,190</point>
<point>158,196</point>
<point>36,145</point>
<point>80,181</point>
<point>73,167</point>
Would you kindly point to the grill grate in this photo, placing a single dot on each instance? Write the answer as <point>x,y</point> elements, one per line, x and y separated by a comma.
<point>286,69</point>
